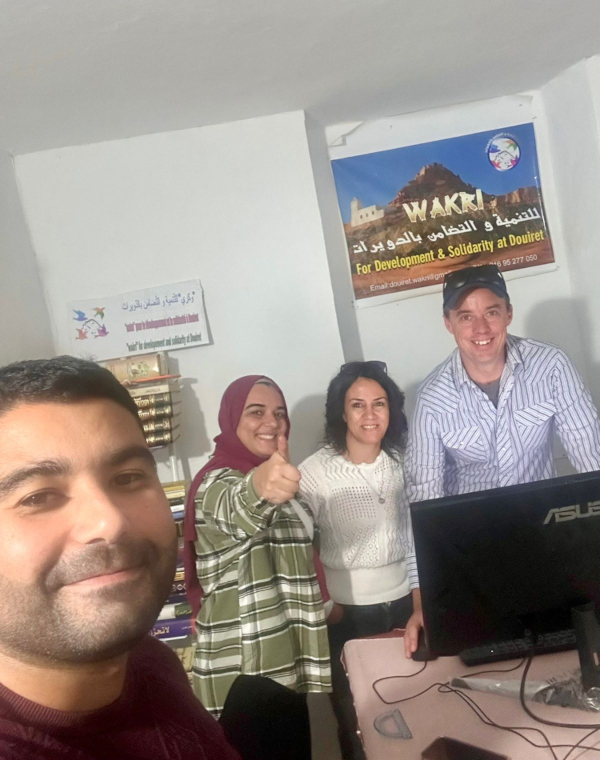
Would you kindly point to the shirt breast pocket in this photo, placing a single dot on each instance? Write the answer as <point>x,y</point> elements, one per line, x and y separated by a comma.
<point>534,423</point>
<point>466,444</point>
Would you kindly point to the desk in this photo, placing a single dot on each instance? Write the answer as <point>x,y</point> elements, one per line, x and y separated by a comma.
<point>434,714</point>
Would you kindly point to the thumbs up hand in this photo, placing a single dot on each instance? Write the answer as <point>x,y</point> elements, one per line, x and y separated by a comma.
<point>283,448</point>
<point>276,480</point>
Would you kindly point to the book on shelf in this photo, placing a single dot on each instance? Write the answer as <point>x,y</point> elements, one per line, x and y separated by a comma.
<point>155,380</point>
<point>155,392</point>
<point>178,587</point>
<point>180,597</point>
<point>175,487</point>
<point>172,629</point>
<point>162,393</point>
<point>176,497</point>
<point>157,399</point>
<point>162,439</point>
<point>161,425</point>
<point>141,366</point>
<point>156,412</point>
<point>176,491</point>
<point>175,610</point>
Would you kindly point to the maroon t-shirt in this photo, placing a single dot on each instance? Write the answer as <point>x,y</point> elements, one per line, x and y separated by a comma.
<point>157,716</point>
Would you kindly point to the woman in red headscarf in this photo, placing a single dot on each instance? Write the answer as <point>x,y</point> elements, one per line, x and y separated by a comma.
<point>249,555</point>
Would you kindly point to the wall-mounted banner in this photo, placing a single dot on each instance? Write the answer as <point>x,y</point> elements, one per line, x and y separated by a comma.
<point>414,213</point>
<point>164,318</point>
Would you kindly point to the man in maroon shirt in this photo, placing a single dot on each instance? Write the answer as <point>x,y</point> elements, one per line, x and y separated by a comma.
<point>87,557</point>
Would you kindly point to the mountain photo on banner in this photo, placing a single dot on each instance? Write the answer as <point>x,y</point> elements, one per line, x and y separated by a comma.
<point>412,214</point>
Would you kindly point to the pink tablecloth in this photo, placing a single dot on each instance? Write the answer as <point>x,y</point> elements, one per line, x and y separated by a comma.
<point>433,714</point>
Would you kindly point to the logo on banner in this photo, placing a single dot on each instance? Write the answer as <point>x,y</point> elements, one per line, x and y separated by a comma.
<point>90,326</point>
<point>503,152</point>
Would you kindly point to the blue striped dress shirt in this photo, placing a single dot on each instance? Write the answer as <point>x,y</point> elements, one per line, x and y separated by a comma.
<point>460,442</point>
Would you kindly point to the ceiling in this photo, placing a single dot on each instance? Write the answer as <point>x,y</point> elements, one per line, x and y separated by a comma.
<point>80,71</point>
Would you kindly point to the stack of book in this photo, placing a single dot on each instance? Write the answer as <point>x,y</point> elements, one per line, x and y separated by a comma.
<point>175,618</point>
<point>158,402</point>
<point>155,392</point>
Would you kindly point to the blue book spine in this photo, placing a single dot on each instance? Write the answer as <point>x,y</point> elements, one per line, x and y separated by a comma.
<point>172,629</point>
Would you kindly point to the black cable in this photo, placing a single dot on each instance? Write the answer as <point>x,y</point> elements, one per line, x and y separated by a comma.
<point>515,729</point>
<point>580,745</point>
<point>496,670</point>
<point>388,678</point>
<point>486,720</point>
<point>405,699</point>
<point>595,726</point>
<point>445,688</point>
<point>470,703</point>
<point>418,672</point>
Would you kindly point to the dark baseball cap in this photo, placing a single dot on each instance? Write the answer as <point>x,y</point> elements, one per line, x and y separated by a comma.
<point>485,276</point>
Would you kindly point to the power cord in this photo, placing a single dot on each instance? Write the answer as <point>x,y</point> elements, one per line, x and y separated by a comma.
<point>445,688</point>
<point>595,726</point>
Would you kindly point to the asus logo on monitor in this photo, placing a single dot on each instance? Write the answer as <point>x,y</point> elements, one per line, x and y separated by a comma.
<point>562,514</point>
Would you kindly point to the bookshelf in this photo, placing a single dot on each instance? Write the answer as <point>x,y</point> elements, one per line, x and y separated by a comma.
<point>157,395</point>
<point>174,624</point>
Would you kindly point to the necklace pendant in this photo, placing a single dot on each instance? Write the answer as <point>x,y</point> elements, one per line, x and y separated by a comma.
<point>381,500</point>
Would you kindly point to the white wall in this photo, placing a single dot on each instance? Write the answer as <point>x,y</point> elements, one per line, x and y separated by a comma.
<point>23,313</point>
<point>335,242</point>
<point>249,206</point>
<point>574,141</point>
<point>234,205</point>
<point>409,334</point>
<point>593,73</point>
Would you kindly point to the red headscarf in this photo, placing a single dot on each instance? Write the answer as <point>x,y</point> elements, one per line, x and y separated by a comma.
<point>229,452</point>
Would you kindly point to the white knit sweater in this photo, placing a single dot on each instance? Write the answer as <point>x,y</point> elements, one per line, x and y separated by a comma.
<point>367,548</point>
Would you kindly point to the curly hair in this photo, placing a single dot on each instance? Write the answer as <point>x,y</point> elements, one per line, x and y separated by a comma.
<point>394,440</point>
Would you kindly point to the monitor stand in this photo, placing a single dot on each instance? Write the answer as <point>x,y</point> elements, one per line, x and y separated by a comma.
<point>587,633</point>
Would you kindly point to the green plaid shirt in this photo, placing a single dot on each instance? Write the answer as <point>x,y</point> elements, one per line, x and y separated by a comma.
<point>262,611</point>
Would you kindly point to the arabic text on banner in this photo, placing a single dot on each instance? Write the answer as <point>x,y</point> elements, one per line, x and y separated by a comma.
<point>165,318</point>
<point>412,214</point>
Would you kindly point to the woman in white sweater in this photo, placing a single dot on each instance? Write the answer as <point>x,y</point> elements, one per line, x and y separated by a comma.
<point>355,489</point>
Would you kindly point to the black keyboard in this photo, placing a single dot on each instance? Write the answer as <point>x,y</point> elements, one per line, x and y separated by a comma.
<point>545,643</point>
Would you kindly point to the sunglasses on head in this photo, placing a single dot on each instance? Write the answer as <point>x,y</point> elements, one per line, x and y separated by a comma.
<point>486,274</point>
<point>359,365</point>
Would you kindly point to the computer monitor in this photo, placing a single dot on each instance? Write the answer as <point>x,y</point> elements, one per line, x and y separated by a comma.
<point>494,564</point>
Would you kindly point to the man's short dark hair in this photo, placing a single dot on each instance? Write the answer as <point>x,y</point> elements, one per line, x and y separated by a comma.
<point>61,380</point>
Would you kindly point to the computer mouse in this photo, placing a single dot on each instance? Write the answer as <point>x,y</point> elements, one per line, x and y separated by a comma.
<point>423,653</point>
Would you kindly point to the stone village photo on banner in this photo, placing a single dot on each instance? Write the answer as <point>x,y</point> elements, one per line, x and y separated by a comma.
<point>412,214</point>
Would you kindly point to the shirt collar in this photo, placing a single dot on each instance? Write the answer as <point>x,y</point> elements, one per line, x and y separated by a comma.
<point>513,353</point>
<point>513,358</point>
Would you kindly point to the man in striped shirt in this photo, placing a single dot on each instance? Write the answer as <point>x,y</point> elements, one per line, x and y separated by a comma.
<point>485,417</point>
